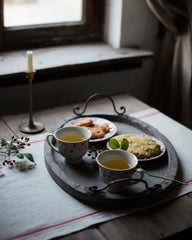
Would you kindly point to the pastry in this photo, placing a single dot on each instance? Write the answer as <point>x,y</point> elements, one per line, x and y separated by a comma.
<point>97,130</point>
<point>142,147</point>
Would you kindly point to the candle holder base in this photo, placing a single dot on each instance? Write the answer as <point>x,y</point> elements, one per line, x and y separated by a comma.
<point>35,128</point>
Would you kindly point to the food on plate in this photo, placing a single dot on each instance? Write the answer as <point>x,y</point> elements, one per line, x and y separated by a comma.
<point>142,147</point>
<point>87,122</point>
<point>97,130</point>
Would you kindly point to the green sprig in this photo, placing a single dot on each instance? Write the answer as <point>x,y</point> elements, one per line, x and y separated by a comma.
<point>12,148</point>
<point>165,178</point>
<point>124,144</point>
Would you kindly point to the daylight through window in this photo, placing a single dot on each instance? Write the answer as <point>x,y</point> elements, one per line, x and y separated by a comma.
<point>32,12</point>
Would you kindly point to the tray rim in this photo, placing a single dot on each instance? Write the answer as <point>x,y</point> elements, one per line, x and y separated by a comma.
<point>83,195</point>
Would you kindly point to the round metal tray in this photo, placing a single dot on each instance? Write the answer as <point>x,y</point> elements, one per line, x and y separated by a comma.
<point>78,180</point>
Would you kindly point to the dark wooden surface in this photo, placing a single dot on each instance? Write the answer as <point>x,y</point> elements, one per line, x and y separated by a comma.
<point>172,220</point>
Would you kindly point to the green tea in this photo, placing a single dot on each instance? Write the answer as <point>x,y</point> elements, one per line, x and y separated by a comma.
<point>116,164</point>
<point>72,139</point>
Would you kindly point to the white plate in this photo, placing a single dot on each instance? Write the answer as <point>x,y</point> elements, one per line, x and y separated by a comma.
<point>97,120</point>
<point>162,147</point>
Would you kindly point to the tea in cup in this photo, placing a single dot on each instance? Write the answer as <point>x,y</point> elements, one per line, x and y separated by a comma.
<point>116,165</point>
<point>71,142</point>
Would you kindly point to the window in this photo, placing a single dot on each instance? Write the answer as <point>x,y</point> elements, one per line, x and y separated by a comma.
<point>33,12</point>
<point>38,23</point>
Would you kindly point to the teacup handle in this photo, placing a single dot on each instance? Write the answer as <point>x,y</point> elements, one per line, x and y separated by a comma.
<point>50,143</point>
<point>140,171</point>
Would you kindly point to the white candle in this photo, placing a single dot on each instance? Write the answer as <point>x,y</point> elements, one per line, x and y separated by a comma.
<point>30,61</point>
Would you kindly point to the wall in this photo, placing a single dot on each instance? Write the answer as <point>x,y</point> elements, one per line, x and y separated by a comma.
<point>140,28</point>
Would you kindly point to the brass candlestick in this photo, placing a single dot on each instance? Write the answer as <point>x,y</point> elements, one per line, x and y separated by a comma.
<point>31,126</point>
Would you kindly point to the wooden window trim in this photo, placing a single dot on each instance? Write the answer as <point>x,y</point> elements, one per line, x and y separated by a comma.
<point>51,63</point>
<point>89,29</point>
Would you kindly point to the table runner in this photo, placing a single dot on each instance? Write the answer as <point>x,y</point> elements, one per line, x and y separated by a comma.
<point>34,207</point>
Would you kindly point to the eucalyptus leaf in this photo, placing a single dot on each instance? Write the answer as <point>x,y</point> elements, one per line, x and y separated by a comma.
<point>20,155</point>
<point>29,156</point>
<point>124,144</point>
<point>113,143</point>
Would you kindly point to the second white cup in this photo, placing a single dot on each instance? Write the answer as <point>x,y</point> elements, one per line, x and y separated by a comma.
<point>118,164</point>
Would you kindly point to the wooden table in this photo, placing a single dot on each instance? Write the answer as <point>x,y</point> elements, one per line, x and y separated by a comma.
<point>172,220</point>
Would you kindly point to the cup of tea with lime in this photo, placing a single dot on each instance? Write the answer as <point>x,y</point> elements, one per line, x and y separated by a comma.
<point>71,142</point>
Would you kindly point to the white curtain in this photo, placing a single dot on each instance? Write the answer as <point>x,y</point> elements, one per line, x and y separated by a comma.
<point>172,86</point>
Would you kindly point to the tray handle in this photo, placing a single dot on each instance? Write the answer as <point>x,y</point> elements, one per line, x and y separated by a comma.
<point>77,108</point>
<point>154,188</point>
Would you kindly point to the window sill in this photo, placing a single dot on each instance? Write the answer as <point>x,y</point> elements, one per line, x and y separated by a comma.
<point>67,61</point>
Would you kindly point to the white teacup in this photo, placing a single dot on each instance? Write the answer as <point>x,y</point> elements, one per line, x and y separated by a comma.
<point>118,164</point>
<point>72,142</point>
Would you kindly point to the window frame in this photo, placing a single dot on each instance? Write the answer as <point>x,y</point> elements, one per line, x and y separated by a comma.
<point>35,36</point>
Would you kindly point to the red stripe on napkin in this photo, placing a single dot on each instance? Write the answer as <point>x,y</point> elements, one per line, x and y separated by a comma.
<point>37,141</point>
<point>148,115</point>
<point>56,225</point>
<point>188,181</point>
